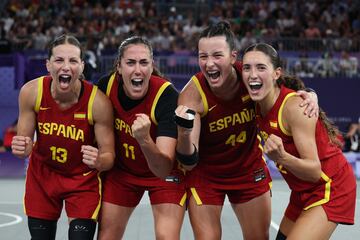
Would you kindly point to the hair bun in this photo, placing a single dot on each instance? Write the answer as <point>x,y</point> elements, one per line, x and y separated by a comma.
<point>224,24</point>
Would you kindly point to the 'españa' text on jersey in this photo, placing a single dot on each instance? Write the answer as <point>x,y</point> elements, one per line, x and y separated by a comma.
<point>245,116</point>
<point>51,128</point>
<point>121,125</point>
<point>60,133</point>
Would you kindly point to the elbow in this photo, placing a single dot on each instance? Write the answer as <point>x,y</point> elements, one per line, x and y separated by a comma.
<point>161,171</point>
<point>107,162</point>
<point>108,166</point>
<point>316,175</point>
<point>163,175</point>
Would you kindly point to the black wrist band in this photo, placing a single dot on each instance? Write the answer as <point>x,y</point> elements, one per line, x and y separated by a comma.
<point>183,122</point>
<point>188,160</point>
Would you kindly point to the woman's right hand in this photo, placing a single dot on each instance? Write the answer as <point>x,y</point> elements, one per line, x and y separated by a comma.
<point>21,146</point>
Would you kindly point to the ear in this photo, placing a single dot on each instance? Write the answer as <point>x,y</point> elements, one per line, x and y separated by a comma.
<point>234,55</point>
<point>118,68</point>
<point>82,66</point>
<point>277,73</point>
<point>48,65</point>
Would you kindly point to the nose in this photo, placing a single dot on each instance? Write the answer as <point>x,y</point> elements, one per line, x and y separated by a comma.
<point>137,68</point>
<point>66,65</point>
<point>209,62</point>
<point>252,73</point>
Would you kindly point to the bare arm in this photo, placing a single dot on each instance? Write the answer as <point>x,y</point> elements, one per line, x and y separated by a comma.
<point>302,128</point>
<point>22,143</point>
<point>101,158</point>
<point>189,98</point>
<point>160,155</point>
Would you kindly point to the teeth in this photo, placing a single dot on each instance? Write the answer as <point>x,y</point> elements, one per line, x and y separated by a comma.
<point>64,78</point>
<point>255,85</point>
<point>213,74</point>
<point>137,81</point>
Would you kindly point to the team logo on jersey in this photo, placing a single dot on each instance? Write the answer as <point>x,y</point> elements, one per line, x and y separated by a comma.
<point>212,107</point>
<point>273,124</point>
<point>79,116</point>
<point>87,173</point>
<point>44,108</point>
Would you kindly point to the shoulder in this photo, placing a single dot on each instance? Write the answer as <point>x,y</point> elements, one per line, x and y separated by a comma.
<point>102,107</point>
<point>190,96</point>
<point>294,115</point>
<point>291,105</point>
<point>30,87</point>
<point>101,98</point>
<point>103,82</point>
<point>29,93</point>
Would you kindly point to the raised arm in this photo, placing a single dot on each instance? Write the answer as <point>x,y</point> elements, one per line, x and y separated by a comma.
<point>22,143</point>
<point>101,158</point>
<point>188,138</point>
<point>159,152</point>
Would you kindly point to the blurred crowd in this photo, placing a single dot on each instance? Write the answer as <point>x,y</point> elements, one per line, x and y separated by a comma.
<point>172,25</point>
<point>325,66</point>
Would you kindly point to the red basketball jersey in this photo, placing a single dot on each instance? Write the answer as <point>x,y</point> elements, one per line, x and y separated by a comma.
<point>331,157</point>
<point>229,147</point>
<point>61,133</point>
<point>129,156</point>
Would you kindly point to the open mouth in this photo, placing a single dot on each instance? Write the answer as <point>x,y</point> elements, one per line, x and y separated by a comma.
<point>213,74</point>
<point>64,80</point>
<point>255,85</point>
<point>137,82</point>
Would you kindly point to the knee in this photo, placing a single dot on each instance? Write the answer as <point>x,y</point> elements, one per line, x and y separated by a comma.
<point>258,235</point>
<point>208,234</point>
<point>167,233</point>
<point>82,229</point>
<point>42,228</point>
<point>110,230</point>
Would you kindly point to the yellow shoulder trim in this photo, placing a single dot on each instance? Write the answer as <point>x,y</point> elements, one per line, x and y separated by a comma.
<point>39,93</point>
<point>280,113</point>
<point>110,83</point>
<point>156,99</point>
<point>202,94</point>
<point>90,105</point>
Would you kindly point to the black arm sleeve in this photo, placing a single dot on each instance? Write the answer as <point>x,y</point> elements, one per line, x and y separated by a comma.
<point>164,112</point>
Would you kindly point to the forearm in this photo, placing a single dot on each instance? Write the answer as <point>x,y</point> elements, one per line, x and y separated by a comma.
<point>184,144</point>
<point>106,161</point>
<point>159,163</point>
<point>305,169</point>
